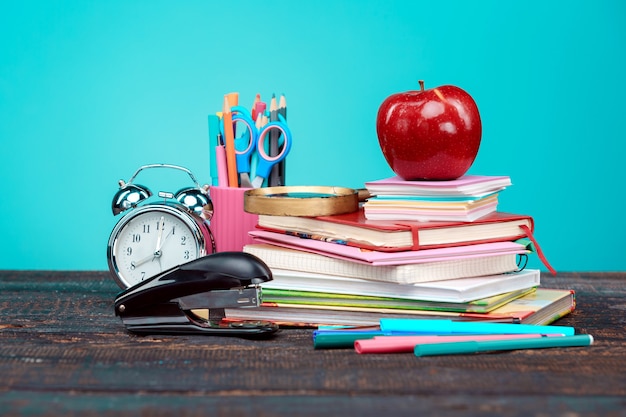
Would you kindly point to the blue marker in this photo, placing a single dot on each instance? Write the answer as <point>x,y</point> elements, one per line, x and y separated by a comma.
<point>456,327</point>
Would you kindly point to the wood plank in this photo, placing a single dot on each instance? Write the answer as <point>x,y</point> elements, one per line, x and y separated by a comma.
<point>62,350</point>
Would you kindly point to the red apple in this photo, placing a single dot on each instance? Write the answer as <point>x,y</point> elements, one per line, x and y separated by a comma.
<point>429,134</point>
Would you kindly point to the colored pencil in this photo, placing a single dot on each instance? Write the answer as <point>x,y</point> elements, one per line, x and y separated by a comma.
<point>229,139</point>
<point>282,111</point>
<point>273,179</point>
<point>233,100</point>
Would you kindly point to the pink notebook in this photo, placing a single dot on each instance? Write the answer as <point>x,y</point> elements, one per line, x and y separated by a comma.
<point>387,258</point>
<point>473,185</point>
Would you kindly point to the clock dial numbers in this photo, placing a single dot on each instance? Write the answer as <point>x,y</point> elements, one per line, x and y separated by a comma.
<point>153,242</point>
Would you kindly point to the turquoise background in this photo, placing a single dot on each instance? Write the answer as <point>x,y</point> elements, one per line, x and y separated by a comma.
<point>91,90</point>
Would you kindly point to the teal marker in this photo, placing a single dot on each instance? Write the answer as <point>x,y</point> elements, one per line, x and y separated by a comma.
<point>341,339</point>
<point>463,327</point>
<point>214,131</point>
<point>455,348</point>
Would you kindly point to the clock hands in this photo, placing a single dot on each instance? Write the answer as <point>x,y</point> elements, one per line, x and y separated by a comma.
<point>159,244</point>
<point>135,264</point>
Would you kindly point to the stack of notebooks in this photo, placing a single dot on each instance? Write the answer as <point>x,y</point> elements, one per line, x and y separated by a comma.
<point>466,199</point>
<point>354,269</point>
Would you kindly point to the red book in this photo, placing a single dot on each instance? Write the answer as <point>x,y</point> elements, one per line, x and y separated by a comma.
<point>354,229</point>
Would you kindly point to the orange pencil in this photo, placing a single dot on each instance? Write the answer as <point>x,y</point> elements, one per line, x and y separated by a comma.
<point>233,99</point>
<point>229,140</point>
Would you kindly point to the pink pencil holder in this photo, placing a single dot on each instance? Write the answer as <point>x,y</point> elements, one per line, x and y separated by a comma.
<point>230,224</point>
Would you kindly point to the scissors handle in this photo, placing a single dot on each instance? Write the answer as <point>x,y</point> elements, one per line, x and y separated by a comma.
<point>239,112</point>
<point>265,161</point>
<point>243,156</point>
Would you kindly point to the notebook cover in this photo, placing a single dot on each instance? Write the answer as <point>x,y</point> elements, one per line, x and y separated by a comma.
<point>358,219</point>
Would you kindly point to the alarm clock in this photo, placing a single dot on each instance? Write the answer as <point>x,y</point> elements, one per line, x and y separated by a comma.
<point>152,237</point>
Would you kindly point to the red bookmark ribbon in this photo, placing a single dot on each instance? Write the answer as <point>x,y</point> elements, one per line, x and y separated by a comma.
<point>530,236</point>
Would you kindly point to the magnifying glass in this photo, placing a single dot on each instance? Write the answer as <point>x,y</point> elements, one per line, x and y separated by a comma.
<point>306,201</point>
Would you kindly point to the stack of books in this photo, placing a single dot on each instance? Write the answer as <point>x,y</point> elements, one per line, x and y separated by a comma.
<point>352,270</point>
<point>465,199</point>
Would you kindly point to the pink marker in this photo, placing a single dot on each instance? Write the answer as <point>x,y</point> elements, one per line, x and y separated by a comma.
<point>222,172</point>
<point>406,344</point>
<point>259,109</point>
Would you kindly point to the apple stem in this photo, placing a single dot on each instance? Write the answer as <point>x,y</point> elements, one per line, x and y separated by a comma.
<point>421,85</point>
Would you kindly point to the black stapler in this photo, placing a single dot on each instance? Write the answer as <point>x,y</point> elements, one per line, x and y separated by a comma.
<point>165,303</point>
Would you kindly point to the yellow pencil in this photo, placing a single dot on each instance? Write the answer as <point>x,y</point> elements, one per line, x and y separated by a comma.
<point>229,140</point>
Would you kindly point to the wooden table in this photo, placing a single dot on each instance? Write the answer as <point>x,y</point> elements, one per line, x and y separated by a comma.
<point>63,352</point>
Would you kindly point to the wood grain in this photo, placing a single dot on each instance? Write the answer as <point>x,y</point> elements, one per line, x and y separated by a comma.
<point>63,352</point>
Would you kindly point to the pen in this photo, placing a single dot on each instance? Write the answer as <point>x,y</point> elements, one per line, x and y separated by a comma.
<point>264,120</point>
<point>282,111</point>
<point>229,140</point>
<point>449,326</point>
<point>490,345</point>
<point>273,179</point>
<point>258,123</point>
<point>406,344</point>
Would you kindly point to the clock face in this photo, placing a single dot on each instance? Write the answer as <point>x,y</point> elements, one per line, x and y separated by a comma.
<point>152,241</point>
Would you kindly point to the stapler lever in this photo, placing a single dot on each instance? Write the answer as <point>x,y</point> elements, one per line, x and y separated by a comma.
<point>173,301</point>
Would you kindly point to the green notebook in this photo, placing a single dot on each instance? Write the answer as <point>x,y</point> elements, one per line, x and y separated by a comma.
<point>483,305</point>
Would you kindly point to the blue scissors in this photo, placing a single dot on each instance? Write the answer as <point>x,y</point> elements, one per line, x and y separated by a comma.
<point>256,143</point>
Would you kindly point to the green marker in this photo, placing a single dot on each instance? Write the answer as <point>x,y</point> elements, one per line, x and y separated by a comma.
<point>453,348</point>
